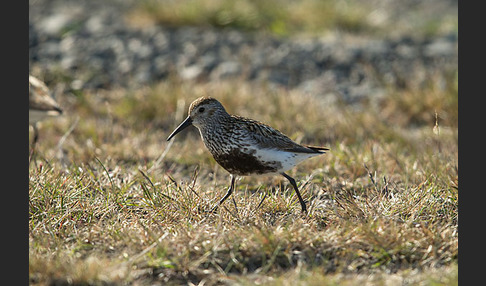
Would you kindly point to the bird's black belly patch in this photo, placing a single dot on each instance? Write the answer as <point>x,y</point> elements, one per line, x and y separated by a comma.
<point>239,163</point>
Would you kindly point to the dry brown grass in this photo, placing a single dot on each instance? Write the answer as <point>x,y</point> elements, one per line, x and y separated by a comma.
<point>382,203</point>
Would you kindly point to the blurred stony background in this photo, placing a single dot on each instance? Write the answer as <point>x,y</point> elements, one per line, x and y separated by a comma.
<point>91,45</point>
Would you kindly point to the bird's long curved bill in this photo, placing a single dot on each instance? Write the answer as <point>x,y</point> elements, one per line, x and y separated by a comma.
<point>187,122</point>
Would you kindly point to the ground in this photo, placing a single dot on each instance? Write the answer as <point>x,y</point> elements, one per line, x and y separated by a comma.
<point>114,194</point>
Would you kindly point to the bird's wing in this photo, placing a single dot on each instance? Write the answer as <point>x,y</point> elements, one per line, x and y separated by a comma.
<point>267,137</point>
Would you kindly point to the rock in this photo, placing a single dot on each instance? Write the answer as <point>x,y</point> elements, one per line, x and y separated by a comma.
<point>92,44</point>
<point>225,70</point>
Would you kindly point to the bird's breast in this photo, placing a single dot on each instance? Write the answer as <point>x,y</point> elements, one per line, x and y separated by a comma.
<point>245,161</point>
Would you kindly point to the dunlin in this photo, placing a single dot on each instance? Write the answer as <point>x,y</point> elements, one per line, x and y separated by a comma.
<point>244,146</point>
<point>41,104</point>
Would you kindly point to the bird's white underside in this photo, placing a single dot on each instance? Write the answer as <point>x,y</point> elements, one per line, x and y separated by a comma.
<point>287,159</point>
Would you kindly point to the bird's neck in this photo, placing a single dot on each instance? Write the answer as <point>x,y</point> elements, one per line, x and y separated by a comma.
<point>217,133</point>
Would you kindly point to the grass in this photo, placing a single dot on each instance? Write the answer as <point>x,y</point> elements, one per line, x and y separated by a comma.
<point>382,203</point>
<point>287,18</point>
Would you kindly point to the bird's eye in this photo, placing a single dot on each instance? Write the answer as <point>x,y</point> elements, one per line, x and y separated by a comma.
<point>201,109</point>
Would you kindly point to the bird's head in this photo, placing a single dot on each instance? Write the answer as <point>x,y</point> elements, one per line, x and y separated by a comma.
<point>202,112</point>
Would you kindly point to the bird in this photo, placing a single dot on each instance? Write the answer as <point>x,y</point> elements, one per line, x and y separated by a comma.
<point>41,104</point>
<point>244,146</point>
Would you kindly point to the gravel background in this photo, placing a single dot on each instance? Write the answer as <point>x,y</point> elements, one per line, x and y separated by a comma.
<point>91,45</point>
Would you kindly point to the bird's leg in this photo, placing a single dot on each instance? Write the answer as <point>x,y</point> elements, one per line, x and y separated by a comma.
<point>292,182</point>
<point>36,135</point>
<point>34,143</point>
<point>228,193</point>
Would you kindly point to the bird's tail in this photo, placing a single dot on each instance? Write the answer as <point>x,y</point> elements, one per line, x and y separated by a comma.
<point>318,149</point>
